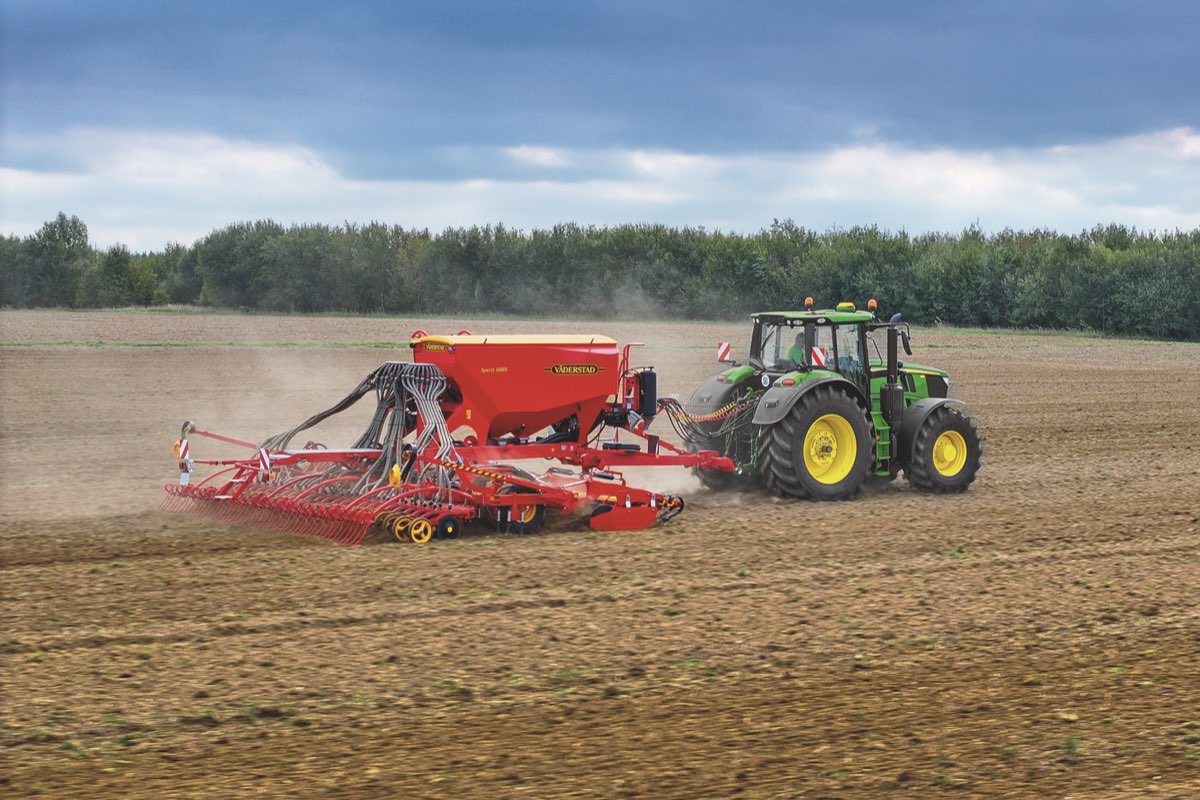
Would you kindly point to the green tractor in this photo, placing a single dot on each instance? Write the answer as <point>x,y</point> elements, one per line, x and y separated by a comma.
<point>824,403</point>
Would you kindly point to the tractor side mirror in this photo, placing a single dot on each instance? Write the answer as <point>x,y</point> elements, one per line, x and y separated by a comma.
<point>904,337</point>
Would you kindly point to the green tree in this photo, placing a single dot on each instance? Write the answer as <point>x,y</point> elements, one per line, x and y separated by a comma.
<point>120,279</point>
<point>175,270</point>
<point>230,263</point>
<point>12,257</point>
<point>56,259</point>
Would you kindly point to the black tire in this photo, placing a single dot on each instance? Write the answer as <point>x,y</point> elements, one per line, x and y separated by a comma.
<point>782,461</point>
<point>706,398</point>
<point>930,468</point>
<point>448,527</point>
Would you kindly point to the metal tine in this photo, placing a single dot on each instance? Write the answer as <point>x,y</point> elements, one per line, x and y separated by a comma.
<point>358,533</point>
<point>322,530</point>
<point>358,529</point>
<point>288,522</point>
<point>301,524</point>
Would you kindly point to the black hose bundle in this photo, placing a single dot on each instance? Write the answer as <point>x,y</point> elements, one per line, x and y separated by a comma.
<point>704,429</point>
<point>377,380</point>
<point>403,391</point>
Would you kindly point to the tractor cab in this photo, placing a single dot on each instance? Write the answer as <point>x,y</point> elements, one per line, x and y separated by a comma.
<point>832,340</point>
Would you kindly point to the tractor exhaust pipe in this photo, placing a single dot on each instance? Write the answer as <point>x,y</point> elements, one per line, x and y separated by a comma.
<point>891,394</point>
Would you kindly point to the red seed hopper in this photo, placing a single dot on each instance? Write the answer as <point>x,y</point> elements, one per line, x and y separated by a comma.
<point>439,450</point>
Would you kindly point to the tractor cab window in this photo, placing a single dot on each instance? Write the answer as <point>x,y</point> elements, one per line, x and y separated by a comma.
<point>823,348</point>
<point>849,352</point>
<point>777,347</point>
<point>837,347</point>
<point>795,349</point>
<point>876,344</point>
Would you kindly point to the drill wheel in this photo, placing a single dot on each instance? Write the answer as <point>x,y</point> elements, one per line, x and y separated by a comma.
<point>421,530</point>
<point>400,526</point>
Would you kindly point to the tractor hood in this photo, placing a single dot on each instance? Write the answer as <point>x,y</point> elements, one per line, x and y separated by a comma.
<point>921,369</point>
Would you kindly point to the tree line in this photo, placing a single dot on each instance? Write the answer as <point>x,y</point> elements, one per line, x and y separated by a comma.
<point>1110,279</point>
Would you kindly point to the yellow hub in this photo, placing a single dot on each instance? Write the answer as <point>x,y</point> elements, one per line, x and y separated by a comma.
<point>830,449</point>
<point>421,531</point>
<point>950,454</point>
<point>399,527</point>
<point>524,514</point>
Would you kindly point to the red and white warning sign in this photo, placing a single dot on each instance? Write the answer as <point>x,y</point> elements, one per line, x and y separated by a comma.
<point>819,355</point>
<point>185,462</point>
<point>722,351</point>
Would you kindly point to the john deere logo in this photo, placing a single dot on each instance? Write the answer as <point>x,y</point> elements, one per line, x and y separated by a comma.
<point>574,369</point>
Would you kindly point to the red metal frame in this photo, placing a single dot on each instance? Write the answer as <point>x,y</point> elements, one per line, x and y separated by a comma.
<point>499,388</point>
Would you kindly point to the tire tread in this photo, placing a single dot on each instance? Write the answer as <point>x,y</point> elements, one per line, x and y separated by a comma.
<point>778,442</point>
<point>920,471</point>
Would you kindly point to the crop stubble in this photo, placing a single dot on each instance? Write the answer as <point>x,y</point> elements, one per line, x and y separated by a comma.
<point>1035,637</point>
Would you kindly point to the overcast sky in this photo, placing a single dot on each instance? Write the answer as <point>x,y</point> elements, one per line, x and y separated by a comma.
<point>157,122</point>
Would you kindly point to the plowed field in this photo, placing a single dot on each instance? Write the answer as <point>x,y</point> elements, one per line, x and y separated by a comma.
<point>1035,637</point>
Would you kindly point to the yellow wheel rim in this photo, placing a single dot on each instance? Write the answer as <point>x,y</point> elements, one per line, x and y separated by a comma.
<point>830,449</point>
<point>950,453</point>
<point>421,531</point>
<point>400,528</point>
<point>524,514</point>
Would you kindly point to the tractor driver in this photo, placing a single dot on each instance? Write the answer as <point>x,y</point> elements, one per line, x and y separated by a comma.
<point>796,351</point>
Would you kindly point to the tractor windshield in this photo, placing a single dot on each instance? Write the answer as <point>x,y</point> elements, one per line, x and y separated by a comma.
<point>834,347</point>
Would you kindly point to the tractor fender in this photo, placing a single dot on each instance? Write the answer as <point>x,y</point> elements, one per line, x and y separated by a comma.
<point>710,394</point>
<point>779,399</point>
<point>914,417</point>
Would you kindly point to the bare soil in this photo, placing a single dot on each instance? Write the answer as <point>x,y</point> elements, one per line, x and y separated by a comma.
<point>1035,637</point>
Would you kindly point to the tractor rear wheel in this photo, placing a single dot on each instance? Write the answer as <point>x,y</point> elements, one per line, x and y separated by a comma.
<point>822,448</point>
<point>738,446</point>
<point>945,454</point>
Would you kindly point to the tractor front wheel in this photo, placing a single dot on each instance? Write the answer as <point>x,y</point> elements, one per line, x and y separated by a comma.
<point>821,450</point>
<point>945,454</point>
